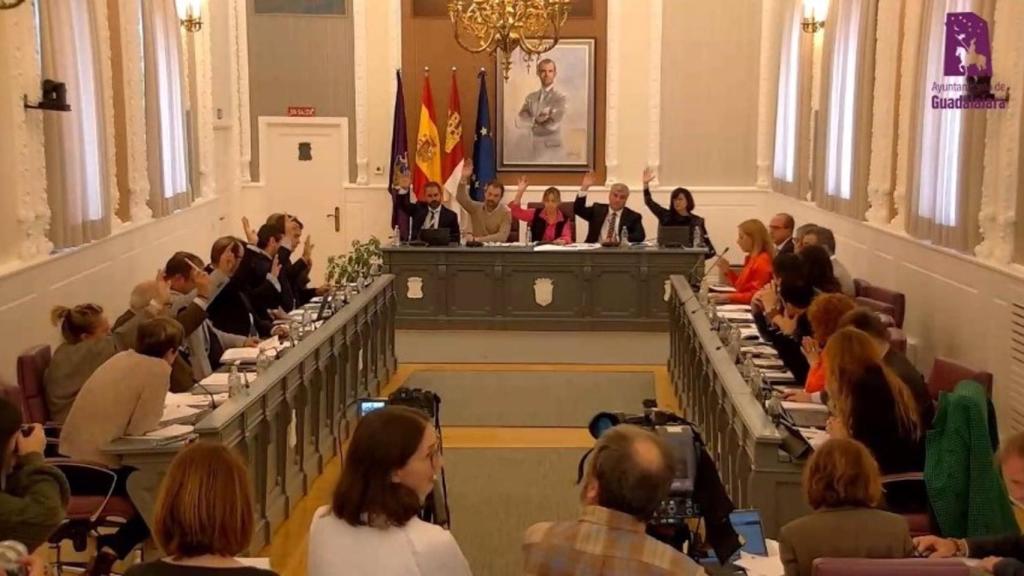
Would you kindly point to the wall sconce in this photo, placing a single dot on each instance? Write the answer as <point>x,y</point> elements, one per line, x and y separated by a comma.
<point>8,4</point>
<point>190,13</point>
<point>814,15</point>
<point>55,98</point>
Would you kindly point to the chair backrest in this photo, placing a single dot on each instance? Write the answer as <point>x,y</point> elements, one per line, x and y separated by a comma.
<point>885,301</point>
<point>12,394</point>
<point>858,285</point>
<point>32,365</point>
<point>946,374</point>
<point>567,210</point>
<point>513,232</point>
<point>898,340</point>
<point>903,567</point>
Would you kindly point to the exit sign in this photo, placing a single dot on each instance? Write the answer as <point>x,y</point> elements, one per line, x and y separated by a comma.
<point>302,111</point>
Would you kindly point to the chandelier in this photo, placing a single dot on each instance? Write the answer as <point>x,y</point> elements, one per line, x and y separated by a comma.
<point>533,26</point>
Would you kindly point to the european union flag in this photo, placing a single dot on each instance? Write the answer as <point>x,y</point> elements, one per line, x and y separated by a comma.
<point>484,160</point>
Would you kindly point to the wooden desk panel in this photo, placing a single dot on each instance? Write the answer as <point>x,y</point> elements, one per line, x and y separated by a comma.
<point>517,288</point>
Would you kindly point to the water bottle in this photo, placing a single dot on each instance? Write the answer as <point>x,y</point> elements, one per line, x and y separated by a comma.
<point>307,322</point>
<point>12,553</point>
<point>263,361</point>
<point>705,291</point>
<point>529,236</point>
<point>396,238</point>
<point>623,238</point>
<point>698,237</point>
<point>234,382</point>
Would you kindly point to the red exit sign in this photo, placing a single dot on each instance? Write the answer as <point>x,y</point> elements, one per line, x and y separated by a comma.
<point>302,111</point>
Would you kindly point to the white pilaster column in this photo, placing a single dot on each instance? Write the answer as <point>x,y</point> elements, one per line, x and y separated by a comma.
<point>884,106</point>
<point>612,95</point>
<point>359,56</point>
<point>102,27</point>
<point>912,29</point>
<point>657,27</point>
<point>134,87</point>
<point>242,67</point>
<point>768,90</point>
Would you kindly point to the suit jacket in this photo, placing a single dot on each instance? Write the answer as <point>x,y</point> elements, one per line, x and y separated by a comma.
<point>296,275</point>
<point>553,102</point>
<point>419,211</point>
<point>204,345</point>
<point>787,247</point>
<point>596,214</point>
<point>254,280</point>
<point>191,316</point>
<point>124,397</point>
<point>842,533</point>
<point>232,312</point>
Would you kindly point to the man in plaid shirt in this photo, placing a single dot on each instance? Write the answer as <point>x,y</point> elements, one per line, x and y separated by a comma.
<point>628,476</point>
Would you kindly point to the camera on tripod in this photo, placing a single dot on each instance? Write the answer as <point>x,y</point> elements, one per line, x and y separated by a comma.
<point>688,499</point>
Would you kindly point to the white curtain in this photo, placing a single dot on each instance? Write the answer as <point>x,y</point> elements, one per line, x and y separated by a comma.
<point>788,113</point>
<point>77,175</point>
<point>165,108</point>
<point>946,189</point>
<point>846,110</point>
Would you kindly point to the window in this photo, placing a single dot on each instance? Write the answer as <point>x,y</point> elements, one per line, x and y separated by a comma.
<point>847,82</point>
<point>78,178</point>
<point>945,190</point>
<point>790,169</point>
<point>166,130</point>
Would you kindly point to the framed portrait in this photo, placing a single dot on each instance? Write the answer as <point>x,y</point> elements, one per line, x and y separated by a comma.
<point>546,111</point>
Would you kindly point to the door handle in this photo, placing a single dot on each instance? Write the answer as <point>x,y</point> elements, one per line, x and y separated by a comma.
<point>337,218</point>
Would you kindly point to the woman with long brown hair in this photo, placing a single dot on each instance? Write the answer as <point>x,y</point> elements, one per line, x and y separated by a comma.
<point>752,238</point>
<point>871,404</point>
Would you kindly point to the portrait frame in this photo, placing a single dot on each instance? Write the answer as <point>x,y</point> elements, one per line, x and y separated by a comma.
<point>523,144</point>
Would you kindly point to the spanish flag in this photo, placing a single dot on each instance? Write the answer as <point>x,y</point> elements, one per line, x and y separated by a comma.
<point>428,145</point>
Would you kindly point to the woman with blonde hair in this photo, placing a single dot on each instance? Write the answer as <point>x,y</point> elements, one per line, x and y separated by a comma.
<point>204,516</point>
<point>753,239</point>
<point>871,405</point>
<point>844,488</point>
<point>547,224</point>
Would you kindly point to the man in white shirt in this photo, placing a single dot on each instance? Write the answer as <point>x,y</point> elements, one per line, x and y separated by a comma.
<point>607,220</point>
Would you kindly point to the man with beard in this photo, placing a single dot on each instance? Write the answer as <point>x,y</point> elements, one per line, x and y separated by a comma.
<point>429,213</point>
<point>491,219</point>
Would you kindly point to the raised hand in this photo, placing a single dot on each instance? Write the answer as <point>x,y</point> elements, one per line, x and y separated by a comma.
<point>404,180</point>
<point>467,170</point>
<point>307,249</point>
<point>163,289</point>
<point>588,181</point>
<point>649,176</point>
<point>250,234</point>
<point>275,267</point>
<point>202,281</point>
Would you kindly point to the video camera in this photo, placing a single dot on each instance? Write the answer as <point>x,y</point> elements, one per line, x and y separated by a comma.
<point>669,522</point>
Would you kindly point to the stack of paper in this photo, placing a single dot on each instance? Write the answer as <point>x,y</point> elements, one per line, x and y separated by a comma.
<point>167,434</point>
<point>721,288</point>
<point>244,355</point>
<point>201,400</point>
<point>175,414</point>
<point>768,363</point>
<point>761,565</point>
<point>736,316</point>
<point>732,308</point>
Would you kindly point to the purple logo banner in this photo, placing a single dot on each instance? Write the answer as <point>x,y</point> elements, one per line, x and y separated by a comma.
<point>968,48</point>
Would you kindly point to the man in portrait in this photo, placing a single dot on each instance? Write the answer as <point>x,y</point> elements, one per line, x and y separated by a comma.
<point>542,113</point>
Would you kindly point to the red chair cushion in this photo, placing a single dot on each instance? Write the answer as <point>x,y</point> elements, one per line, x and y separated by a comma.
<point>946,374</point>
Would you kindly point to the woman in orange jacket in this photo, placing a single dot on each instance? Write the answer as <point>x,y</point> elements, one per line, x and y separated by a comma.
<point>753,239</point>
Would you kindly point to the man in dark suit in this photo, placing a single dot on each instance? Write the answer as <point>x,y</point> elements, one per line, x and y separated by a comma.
<point>429,213</point>
<point>607,220</point>
<point>295,273</point>
<point>780,228</point>
<point>232,311</point>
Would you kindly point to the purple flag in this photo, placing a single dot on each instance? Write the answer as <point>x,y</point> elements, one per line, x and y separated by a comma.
<point>399,160</point>
<point>968,51</point>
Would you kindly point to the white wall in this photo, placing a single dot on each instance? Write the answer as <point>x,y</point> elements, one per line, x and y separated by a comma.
<point>104,272</point>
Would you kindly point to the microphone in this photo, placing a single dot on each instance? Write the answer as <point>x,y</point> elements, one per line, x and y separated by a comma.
<point>213,401</point>
<point>714,261</point>
<point>689,277</point>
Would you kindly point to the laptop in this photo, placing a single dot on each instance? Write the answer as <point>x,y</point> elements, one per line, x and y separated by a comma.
<point>675,236</point>
<point>747,524</point>
<point>436,236</point>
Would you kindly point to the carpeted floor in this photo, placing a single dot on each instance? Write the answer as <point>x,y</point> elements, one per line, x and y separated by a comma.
<point>496,494</point>
<point>548,399</point>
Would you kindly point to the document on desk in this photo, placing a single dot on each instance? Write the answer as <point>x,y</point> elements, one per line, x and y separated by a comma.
<point>736,316</point>
<point>761,565</point>
<point>732,308</point>
<point>244,355</point>
<point>814,436</point>
<point>565,248</point>
<point>178,414</point>
<point>195,400</point>
<point>167,434</point>
<point>721,288</point>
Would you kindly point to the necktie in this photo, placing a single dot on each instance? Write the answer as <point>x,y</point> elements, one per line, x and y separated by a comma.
<point>432,221</point>
<point>611,228</point>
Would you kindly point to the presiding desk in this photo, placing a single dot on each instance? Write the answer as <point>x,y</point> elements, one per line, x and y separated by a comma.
<point>740,436</point>
<point>518,287</point>
<point>294,417</point>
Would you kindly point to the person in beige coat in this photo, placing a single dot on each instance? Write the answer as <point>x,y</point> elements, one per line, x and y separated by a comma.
<point>843,486</point>
<point>123,397</point>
